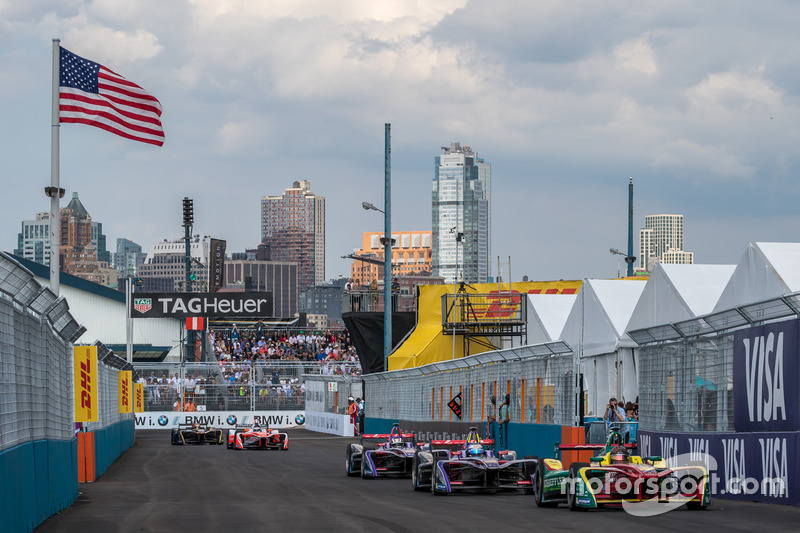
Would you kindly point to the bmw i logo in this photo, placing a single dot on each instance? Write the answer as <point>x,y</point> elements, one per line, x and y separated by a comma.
<point>231,420</point>
<point>162,420</point>
<point>300,420</point>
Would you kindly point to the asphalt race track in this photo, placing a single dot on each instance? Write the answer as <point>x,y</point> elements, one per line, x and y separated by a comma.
<point>155,486</point>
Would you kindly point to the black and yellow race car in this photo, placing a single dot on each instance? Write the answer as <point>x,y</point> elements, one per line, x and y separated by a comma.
<point>196,434</point>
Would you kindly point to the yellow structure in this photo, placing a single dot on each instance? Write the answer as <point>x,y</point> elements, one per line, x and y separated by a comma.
<point>411,255</point>
<point>427,344</point>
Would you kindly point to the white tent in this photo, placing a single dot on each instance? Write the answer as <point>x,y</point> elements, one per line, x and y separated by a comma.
<point>679,292</point>
<point>766,270</point>
<point>547,314</point>
<point>596,329</point>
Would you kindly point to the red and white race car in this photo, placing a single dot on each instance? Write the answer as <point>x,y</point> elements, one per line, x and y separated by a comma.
<point>257,438</point>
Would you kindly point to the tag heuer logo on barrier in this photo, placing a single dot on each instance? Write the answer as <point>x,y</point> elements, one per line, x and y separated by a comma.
<point>143,305</point>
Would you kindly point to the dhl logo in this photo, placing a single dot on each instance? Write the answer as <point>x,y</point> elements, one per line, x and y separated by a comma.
<point>496,305</point>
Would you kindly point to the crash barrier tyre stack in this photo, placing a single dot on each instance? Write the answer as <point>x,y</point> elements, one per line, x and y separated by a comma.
<point>539,379</point>
<point>39,452</point>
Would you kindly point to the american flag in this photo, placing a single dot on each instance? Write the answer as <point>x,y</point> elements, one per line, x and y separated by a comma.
<point>89,93</point>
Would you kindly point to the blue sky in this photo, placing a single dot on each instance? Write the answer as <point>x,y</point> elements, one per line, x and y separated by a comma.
<point>698,102</point>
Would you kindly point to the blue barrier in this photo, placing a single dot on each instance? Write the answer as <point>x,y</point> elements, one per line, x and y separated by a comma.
<point>39,479</point>
<point>110,442</point>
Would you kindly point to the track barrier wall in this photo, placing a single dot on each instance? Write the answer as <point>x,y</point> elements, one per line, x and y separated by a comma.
<point>723,388</point>
<point>39,451</point>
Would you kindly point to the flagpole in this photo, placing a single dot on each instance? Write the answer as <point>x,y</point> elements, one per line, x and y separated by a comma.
<point>55,192</point>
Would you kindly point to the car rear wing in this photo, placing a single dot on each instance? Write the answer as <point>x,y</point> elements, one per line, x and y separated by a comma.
<point>459,442</point>
<point>374,436</point>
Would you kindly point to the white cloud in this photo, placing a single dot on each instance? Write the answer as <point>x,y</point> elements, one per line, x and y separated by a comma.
<point>636,55</point>
<point>701,162</point>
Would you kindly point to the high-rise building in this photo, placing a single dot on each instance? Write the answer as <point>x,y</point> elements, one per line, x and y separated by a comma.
<point>661,241</point>
<point>164,268</point>
<point>82,251</point>
<point>411,255</point>
<point>128,257</point>
<point>293,226</point>
<point>462,216</point>
<point>277,277</point>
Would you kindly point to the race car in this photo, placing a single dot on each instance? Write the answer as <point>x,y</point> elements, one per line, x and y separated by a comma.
<point>196,434</point>
<point>392,457</point>
<point>257,438</point>
<point>444,466</point>
<point>614,476</point>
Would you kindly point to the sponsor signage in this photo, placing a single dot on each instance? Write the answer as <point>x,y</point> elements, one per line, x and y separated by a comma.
<point>210,304</point>
<point>138,397</point>
<point>329,423</point>
<point>124,392</point>
<point>216,265</point>
<point>749,466</point>
<point>85,377</point>
<point>766,377</point>
<point>220,419</point>
<point>315,395</point>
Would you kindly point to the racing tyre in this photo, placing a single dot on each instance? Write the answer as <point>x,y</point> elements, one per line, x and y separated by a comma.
<point>175,437</point>
<point>415,473</point>
<point>574,474</point>
<point>349,461</point>
<point>696,506</point>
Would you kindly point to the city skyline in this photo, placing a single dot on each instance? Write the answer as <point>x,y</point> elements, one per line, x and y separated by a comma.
<point>567,101</point>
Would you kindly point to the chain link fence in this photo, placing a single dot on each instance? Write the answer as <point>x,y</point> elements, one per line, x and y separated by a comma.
<point>687,385</point>
<point>539,379</point>
<point>36,334</point>
<point>686,368</point>
<point>234,386</point>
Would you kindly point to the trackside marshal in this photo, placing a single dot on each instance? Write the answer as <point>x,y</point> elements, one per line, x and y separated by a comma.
<point>211,304</point>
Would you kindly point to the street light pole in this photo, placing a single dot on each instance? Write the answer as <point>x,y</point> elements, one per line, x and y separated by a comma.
<point>387,249</point>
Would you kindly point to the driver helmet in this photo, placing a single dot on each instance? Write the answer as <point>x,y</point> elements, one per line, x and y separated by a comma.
<point>619,455</point>
<point>474,450</point>
<point>396,440</point>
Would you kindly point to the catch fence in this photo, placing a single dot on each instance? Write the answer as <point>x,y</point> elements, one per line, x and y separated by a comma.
<point>686,368</point>
<point>539,379</point>
<point>36,334</point>
<point>235,385</point>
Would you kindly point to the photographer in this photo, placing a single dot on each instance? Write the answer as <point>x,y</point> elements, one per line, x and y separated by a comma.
<point>615,414</point>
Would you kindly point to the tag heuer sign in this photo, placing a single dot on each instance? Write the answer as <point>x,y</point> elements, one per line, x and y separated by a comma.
<point>143,305</point>
<point>207,304</point>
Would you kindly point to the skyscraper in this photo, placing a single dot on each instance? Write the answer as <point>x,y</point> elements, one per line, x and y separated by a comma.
<point>661,240</point>
<point>82,249</point>
<point>293,226</point>
<point>462,216</point>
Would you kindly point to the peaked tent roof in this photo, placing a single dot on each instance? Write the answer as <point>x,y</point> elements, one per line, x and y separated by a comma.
<point>766,270</point>
<point>547,314</point>
<point>679,292</point>
<point>602,310</point>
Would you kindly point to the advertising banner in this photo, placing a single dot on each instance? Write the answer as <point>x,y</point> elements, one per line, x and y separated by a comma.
<point>216,265</point>
<point>124,392</point>
<point>85,378</point>
<point>329,423</point>
<point>766,377</point>
<point>742,466</point>
<point>138,397</point>
<point>315,395</point>
<point>220,419</point>
<point>209,304</point>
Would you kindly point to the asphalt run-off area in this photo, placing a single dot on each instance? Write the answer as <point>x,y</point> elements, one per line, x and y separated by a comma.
<point>155,486</point>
